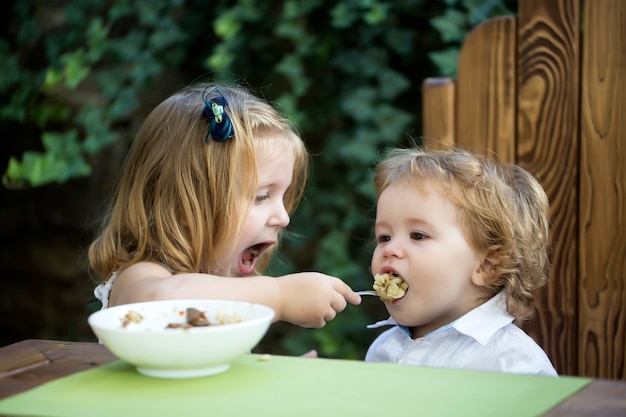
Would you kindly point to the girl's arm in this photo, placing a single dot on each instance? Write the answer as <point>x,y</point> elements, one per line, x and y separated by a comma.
<point>307,299</point>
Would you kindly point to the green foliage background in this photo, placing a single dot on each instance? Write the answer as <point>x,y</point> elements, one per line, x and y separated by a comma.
<point>77,77</point>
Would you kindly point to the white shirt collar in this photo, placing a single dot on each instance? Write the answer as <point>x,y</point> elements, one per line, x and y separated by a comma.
<point>480,323</point>
<point>485,320</point>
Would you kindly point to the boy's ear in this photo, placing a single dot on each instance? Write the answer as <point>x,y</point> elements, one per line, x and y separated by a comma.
<point>485,272</point>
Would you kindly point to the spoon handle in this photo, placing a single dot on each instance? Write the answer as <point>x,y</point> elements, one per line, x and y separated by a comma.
<point>370,292</point>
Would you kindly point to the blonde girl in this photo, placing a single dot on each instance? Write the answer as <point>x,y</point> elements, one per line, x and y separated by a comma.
<point>208,185</point>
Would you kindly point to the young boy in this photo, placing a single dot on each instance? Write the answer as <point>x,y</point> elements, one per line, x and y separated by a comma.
<point>468,236</point>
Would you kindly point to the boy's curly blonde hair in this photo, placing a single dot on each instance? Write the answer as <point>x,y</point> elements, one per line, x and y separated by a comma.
<point>180,200</point>
<point>504,211</point>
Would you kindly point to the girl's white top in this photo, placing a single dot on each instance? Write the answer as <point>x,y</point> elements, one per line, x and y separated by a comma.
<point>103,291</point>
<point>483,339</point>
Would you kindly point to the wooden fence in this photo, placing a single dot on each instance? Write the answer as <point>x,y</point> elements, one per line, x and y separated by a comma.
<point>546,89</point>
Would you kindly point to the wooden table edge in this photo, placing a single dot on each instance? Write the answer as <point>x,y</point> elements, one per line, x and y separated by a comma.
<point>56,360</point>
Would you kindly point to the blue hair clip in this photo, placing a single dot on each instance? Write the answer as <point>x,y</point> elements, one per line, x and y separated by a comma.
<point>220,127</point>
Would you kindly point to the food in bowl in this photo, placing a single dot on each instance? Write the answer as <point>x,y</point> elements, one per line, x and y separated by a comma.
<point>389,287</point>
<point>131,317</point>
<point>193,318</point>
<point>157,338</point>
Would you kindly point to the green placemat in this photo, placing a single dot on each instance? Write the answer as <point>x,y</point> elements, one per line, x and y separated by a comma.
<point>294,386</point>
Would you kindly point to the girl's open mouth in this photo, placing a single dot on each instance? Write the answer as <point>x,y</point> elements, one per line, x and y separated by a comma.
<point>250,256</point>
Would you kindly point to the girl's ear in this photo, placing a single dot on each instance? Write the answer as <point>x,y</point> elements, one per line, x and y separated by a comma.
<point>485,272</point>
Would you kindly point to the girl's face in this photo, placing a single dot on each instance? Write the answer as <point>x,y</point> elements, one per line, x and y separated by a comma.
<point>419,237</point>
<point>266,217</point>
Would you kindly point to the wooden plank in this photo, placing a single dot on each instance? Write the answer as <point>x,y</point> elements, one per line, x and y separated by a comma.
<point>602,307</point>
<point>602,398</point>
<point>486,90</point>
<point>438,112</point>
<point>547,146</point>
<point>29,357</point>
<point>62,358</point>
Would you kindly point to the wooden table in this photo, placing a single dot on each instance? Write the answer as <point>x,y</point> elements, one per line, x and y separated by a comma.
<point>27,364</point>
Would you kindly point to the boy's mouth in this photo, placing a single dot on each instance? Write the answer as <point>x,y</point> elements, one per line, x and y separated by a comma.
<point>390,286</point>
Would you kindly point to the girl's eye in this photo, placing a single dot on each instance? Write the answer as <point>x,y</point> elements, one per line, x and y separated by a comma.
<point>261,198</point>
<point>418,236</point>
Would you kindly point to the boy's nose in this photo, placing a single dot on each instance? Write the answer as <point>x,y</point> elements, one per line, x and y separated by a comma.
<point>393,248</point>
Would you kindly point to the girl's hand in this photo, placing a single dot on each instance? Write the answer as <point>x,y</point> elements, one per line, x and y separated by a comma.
<point>311,299</point>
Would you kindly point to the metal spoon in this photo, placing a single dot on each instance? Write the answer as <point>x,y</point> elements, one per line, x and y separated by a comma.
<point>370,292</point>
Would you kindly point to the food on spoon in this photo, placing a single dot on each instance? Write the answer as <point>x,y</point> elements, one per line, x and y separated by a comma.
<point>389,286</point>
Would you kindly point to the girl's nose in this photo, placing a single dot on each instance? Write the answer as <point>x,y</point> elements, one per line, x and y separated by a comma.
<point>280,217</point>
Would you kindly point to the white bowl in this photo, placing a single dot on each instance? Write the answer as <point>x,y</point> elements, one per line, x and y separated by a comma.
<point>163,352</point>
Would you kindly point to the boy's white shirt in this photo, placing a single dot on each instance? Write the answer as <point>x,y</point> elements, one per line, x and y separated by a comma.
<point>483,339</point>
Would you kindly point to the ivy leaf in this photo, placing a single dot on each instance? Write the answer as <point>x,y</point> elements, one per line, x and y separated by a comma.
<point>452,25</point>
<point>446,61</point>
<point>61,161</point>
<point>227,26</point>
<point>76,68</point>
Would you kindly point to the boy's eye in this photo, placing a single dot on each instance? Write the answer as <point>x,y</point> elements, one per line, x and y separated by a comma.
<point>261,198</point>
<point>382,238</point>
<point>418,236</point>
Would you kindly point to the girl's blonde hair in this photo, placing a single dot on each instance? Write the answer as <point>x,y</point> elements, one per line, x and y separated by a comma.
<point>503,209</point>
<point>181,200</point>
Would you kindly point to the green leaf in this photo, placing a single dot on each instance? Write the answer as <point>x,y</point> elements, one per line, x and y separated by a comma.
<point>446,61</point>
<point>75,69</point>
<point>377,14</point>
<point>227,26</point>
<point>452,25</point>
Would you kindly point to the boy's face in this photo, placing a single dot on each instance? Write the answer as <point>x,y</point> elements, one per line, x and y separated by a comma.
<point>266,217</point>
<point>420,238</point>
